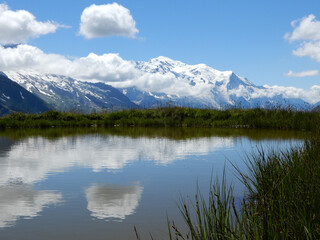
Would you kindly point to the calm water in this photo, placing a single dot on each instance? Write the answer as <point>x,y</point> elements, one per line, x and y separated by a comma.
<point>97,184</point>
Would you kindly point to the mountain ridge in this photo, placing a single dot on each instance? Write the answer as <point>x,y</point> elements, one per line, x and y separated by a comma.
<point>202,86</point>
<point>64,93</point>
<point>166,82</point>
<point>14,98</point>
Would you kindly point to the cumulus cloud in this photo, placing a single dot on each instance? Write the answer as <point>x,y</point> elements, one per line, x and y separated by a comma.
<point>18,26</point>
<point>29,57</point>
<point>307,28</point>
<point>312,95</point>
<point>307,32</point>
<point>309,73</point>
<point>112,69</point>
<point>309,49</point>
<point>109,68</point>
<point>107,20</point>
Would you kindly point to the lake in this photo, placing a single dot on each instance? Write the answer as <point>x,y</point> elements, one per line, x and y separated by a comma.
<point>99,183</point>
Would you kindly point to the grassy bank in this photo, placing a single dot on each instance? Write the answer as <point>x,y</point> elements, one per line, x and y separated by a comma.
<point>169,117</point>
<point>281,201</point>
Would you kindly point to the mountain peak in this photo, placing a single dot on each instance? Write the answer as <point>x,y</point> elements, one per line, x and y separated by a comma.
<point>201,65</point>
<point>167,81</point>
<point>165,61</point>
<point>162,59</point>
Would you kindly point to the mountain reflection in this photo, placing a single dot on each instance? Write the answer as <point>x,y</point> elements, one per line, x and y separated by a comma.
<point>20,201</point>
<point>32,159</point>
<point>113,201</point>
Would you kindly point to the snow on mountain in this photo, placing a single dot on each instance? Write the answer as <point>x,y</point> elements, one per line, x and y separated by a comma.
<point>14,98</point>
<point>67,94</point>
<point>202,86</point>
<point>158,82</point>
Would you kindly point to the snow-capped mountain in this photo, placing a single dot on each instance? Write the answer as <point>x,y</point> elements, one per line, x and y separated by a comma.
<point>67,94</point>
<point>14,98</point>
<point>160,82</point>
<point>202,86</point>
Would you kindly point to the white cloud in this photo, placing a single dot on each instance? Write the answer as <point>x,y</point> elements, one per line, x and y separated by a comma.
<point>18,26</point>
<point>112,69</point>
<point>109,68</point>
<point>307,28</point>
<point>29,57</point>
<point>309,49</point>
<point>311,96</point>
<point>309,73</point>
<point>107,20</point>
<point>306,31</point>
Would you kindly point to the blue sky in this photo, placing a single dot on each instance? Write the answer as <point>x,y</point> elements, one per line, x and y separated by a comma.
<point>246,37</point>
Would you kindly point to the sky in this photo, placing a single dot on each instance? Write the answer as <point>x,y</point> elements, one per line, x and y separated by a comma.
<point>269,42</point>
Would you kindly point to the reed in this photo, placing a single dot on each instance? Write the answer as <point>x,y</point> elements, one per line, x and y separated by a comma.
<point>281,201</point>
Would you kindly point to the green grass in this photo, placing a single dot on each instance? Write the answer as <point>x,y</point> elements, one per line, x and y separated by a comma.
<point>281,201</point>
<point>170,117</point>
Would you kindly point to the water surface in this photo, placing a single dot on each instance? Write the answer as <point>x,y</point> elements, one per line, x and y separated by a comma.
<point>99,183</point>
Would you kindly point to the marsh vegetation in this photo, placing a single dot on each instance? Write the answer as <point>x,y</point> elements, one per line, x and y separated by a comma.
<point>169,117</point>
<point>280,200</point>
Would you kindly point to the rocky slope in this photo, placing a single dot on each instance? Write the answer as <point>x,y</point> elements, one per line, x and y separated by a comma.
<point>14,98</point>
<point>67,94</point>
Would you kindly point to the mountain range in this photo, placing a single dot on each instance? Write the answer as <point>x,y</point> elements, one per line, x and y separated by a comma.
<point>172,83</point>
<point>204,87</point>
<point>14,98</point>
<point>69,95</point>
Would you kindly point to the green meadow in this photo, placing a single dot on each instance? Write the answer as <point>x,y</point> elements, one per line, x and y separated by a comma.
<point>169,117</point>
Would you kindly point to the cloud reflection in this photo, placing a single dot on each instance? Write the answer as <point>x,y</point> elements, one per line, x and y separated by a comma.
<point>32,159</point>
<point>25,162</point>
<point>20,201</point>
<point>113,201</point>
